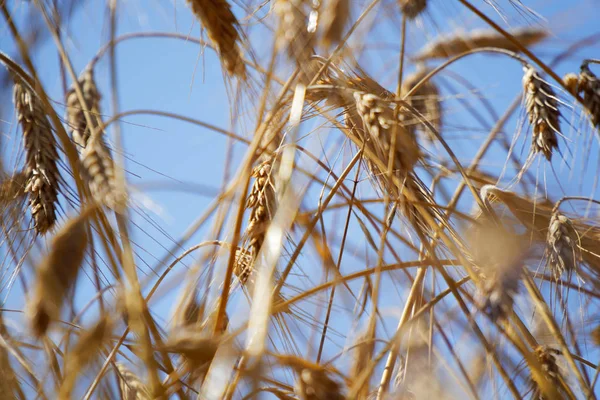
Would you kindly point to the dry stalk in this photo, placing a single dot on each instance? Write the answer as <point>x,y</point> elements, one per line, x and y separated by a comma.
<point>87,348</point>
<point>294,35</point>
<point>426,100</point>
<point>541,105</point>
<point>333,21</point>
<point>453,45</point>
<point>80,131</point>
<point>412,8</point>
<point>57,274</point>
<point>222,28</point>
<point>132,387</point>
<point>42,183</point>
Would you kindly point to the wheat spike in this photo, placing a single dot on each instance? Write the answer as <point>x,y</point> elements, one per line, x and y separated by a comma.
<point>100,170</point>
<point>551,372</point>
<point>426,100</point>
<point>80,132</point>
<point>412,8</point>
<point>222,28</point>
<point>294,35</point>
<point>541,105</point>
<point>197,349</point>
<point>589,85</point>
<point>333,20</point>
<point>378,121</point>
<point>562,248</point>
<point>42,183</point>
<point>459,43</point>
<point>499,254</point>
<point>132,387</point>
<point>57,273</point>
<point>262,203</point>
<point>315,384</point>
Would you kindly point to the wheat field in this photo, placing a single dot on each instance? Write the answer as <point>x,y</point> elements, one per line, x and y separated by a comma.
<point>299,199</point>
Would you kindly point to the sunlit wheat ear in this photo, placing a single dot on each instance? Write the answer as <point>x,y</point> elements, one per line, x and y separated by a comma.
<point>461,42</point>
<point>589,86</point>
<point>378,120</point>
<point>80,131</point>
<point>294,35</point>
<point>500,256</point>
<point>100,173</point>
<point>130,385</point>
<point>88,347</point>
<point>57,274</point>
<point>41,157</point>
<point>262,202</point>
<point>547,358</point>
<point>315,384</point>
<point>333,21</point>
<point>562,245</point>
<point>196,348</point>
<point>222,28</point>
<point>541,105</point>
<point>412,8</point>
<point>426,100</point>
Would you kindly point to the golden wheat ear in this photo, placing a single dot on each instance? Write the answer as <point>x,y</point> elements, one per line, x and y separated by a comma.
<point>41,157</point>
<point>57,273</point>
<point>541,105</point>
<point>222,28</point>
<point>412,8</point>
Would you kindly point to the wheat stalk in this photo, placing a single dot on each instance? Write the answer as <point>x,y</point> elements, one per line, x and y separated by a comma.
<point>41,170</point>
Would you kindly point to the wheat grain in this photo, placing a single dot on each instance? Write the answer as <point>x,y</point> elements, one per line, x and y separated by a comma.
<point>80,131</point>
<point>459,43</point>
<point>541,105</point>
<point>222,28</point>
<point>412,8</point>
<point>41,169</point>
<point>57,274</point>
